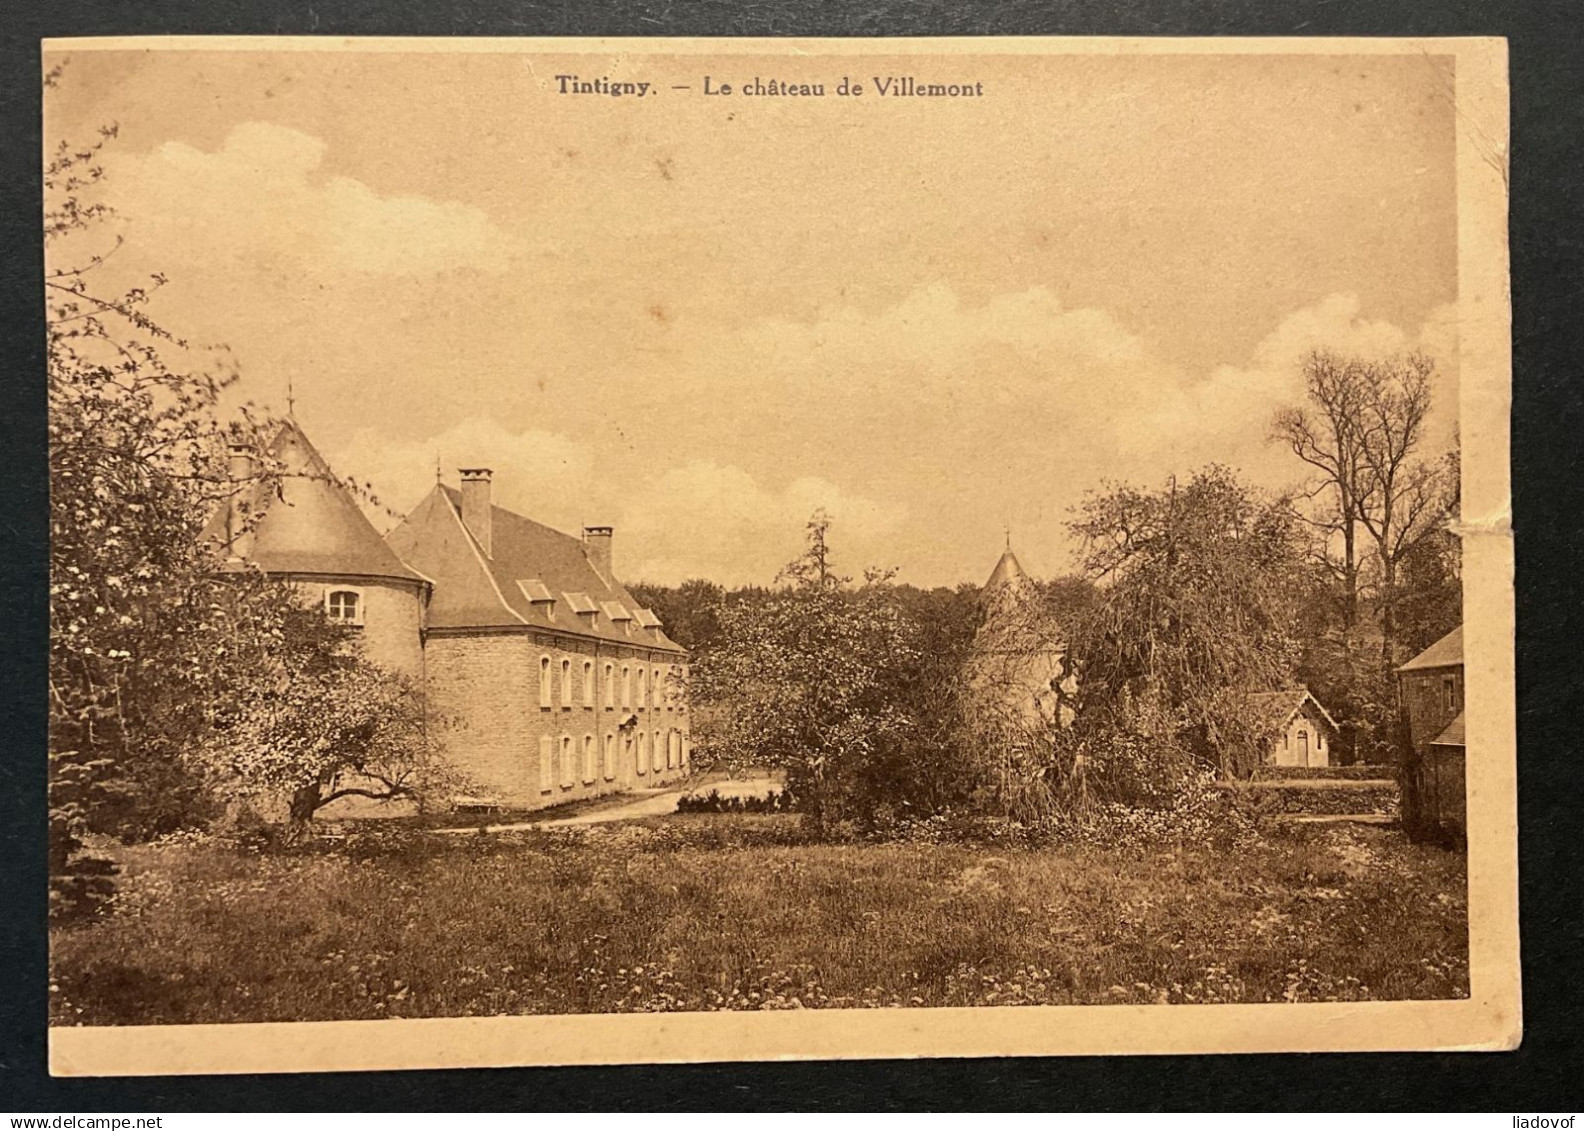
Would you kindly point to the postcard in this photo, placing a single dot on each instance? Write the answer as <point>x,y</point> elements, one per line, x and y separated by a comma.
<point>626,551</point>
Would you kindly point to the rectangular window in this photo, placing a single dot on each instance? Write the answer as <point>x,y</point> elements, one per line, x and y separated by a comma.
<point>610,686</point>
<point>545,699</point>
<point>682,744</point>
<point>640,755</point>
<point>588,759</point>
<point>546,764</point>
<point>566,762</point>
<point>1449,693</point>
<point>588,683</point>
<point>626,686</point>
<point>608,761</point>
<point>566,683</point>
<point>344,606</point>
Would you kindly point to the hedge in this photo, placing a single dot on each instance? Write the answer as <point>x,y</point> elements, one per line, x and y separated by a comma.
<point>1366,772</point>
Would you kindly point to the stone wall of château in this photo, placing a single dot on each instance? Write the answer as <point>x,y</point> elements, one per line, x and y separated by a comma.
<point>535,720</point>
<point>391,632</point>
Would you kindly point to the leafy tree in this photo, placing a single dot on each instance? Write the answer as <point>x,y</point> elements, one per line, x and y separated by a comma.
<point>803,680</point>
<point>324,724</point>
<point>138,626</point>
<point>1198,588</point>
<point>690,612</point>
<point>152,643</point>
<point>924,767</point>
<point>1068,600</point>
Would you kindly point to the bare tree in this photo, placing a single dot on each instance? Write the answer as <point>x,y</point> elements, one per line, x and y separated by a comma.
<point>1375,501</point>
<point>1326,437</point>
<point>1404,490</point>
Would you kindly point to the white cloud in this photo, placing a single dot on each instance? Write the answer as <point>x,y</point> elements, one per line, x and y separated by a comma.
<point>932,333</point>
<point>1225,416</point>
<point>703,519</point>
<point>261,198</point>
<point>546,476</point>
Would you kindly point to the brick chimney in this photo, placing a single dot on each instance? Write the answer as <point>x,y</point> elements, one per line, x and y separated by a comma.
<point>597,541</point>
<point>476,504</point>
<point>241,469</point>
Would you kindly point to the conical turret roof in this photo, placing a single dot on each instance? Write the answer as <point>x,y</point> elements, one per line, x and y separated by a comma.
<point>1008,572</point>
<point>312,525</point>
<point>1010,600</point>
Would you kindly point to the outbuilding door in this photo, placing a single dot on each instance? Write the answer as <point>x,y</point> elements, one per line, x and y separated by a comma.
<point>1303,746</point>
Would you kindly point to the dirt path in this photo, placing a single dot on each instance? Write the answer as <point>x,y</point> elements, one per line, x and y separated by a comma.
<point>640,803</point>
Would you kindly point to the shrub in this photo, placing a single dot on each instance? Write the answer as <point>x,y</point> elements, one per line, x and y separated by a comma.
<point>1195,813</point>
<point>1272,797</point>
<point>776,801</point>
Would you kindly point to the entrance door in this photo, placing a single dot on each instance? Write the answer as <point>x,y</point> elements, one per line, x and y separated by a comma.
<point>1303,747</point>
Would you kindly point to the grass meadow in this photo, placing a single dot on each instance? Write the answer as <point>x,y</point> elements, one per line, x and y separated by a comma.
<point>716,912</point>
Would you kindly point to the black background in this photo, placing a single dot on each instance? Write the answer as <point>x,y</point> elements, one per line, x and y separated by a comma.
<point>1548,307</point>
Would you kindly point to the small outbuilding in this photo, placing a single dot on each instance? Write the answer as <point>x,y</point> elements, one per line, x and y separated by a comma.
<point>1306,731</point>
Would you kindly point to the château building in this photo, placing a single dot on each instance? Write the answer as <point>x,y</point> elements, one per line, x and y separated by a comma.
<point>546,680</point>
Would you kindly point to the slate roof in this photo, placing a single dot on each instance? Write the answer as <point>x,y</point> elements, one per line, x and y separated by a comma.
<point>312,525</point>
<point>1283,705</point>
<point>1008,572</point>
<point>1453,735</point>
<point>527,560</point>
<point>1444,653</point>
<point>1016,621</point>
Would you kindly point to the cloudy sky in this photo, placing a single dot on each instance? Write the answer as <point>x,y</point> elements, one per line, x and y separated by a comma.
<point>699,319</point>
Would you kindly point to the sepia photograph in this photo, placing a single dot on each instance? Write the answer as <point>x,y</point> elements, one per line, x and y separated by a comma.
<point>857,547</point>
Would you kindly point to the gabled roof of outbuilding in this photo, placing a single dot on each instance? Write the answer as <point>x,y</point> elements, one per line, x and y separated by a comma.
<point>1283,705</point>
<point>1008,572</point>
<point>309,523</point>
<point>1444,653</point>
<point>478,590</point>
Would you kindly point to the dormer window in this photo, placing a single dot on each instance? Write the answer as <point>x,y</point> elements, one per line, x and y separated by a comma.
<point>582,604</point>
<point>539,598</point>
<point>345,606</point>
